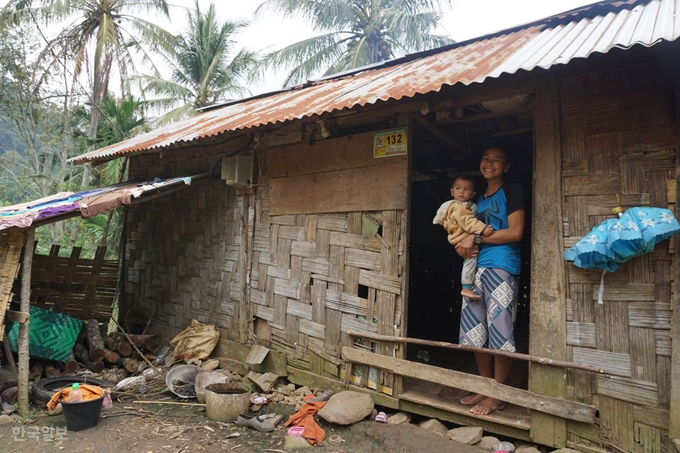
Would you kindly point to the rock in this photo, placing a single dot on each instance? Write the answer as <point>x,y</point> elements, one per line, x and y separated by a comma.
<point>400,418</point>
<point>346,408</point>
<point>265,381</point>
<point>6,419</point>
<point>504,446</point>
<point>487,442</point>
<point>284,389</point>
<point>466,435</point>
<point>293,443</point>
<point>527,449</point>
<point>234,366</point>
<point>210,365</point>
<point>565,450</point>
<point>434,425</point>
<point>302,391</point>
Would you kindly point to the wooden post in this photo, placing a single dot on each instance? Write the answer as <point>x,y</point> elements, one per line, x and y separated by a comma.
<point>674,424</point>
<point>22,341</point>
<point>243,312</point>
<point>548,323</point>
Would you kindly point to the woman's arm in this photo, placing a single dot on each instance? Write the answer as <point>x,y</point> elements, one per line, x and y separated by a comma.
<point>513,233</point>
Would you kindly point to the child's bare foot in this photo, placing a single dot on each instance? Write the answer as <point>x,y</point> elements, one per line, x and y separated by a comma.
<point>470,294</point>
<point>488,406</point>
<point>472,400</point>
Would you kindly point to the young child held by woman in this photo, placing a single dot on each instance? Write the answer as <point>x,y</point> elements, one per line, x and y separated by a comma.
<point>457,216</point>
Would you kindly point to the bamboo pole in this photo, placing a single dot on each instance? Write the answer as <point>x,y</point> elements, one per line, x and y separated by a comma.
<point>22,341</point>
<point>511,355</point>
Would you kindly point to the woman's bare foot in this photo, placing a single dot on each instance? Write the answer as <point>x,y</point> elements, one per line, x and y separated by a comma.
<point>488,406</point>
<point>472,400</point>
<point>470,294</point>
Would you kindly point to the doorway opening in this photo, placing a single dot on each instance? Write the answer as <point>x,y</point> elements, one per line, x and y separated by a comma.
<point>449,142</point>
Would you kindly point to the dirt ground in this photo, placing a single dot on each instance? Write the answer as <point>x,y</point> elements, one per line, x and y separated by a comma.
<point>150,428</point>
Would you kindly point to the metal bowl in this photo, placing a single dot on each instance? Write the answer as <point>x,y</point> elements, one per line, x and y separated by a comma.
<point>187,375</point>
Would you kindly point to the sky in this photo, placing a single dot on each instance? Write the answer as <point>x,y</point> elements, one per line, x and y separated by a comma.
<point>465,19</point>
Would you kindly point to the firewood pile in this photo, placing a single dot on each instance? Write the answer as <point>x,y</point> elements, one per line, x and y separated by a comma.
<point>111,357</point>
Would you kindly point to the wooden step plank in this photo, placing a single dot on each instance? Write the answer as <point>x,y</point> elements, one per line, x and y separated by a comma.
<point>570,410</point>
<point>510,416</point>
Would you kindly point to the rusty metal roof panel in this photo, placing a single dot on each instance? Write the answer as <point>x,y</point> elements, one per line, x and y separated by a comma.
<point>556,40</point>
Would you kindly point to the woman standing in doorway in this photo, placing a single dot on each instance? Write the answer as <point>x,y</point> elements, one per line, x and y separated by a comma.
<point>489,321</point>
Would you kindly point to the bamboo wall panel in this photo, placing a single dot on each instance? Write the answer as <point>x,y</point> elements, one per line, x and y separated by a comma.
<point>619,133</point>
<point>325,274</point>
<point>83,288</point>
<point>182,255</point>
<point>11,243</point>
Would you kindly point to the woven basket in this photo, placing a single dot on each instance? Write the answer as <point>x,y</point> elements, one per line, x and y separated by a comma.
<point>50,335</point>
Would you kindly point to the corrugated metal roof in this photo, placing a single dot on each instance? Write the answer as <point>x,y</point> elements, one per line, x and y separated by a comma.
<point>556,40</point>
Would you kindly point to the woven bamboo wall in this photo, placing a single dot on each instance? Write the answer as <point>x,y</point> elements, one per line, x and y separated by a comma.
<point>11,243</point>
<point>319,273</point>
<point>619,136</point>
<point>83,288</point>
<point>181,253</point>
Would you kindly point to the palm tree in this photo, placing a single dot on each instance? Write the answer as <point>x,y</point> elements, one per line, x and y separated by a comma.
<point>205,66</point>
<point>98,35</point>
<point>355,33</point>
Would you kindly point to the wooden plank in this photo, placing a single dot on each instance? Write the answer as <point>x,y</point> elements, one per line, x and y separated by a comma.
<point>462,419</point>
<point>518,417</point>
<point>613,363</point>
<point>561,408</point>
<point>361,189</point>
<point>637,392</point>
<point>548,296</point>
<point>674,425</point>
<point>353,151</point>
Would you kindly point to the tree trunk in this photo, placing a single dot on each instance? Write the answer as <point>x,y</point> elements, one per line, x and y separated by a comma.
<point>51,370</point>
<point>148,342</point>
<point>130,365</point>
<point>36,371</point>
<point>115,343</point>
<point>82,354</point>
<point>22,346</point>
<point>95,341</point>
<point>111,357</point>
<point>70,366</point>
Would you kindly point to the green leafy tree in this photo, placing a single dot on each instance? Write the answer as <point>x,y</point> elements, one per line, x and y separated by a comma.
<point>354,33</point>
<point>103,36</point>
<point>206,67</point>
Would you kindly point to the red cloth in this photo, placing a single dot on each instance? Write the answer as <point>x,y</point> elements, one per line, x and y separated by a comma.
<point>305,418</point>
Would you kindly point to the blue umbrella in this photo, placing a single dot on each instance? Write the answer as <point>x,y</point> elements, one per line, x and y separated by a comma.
<point>592,251</point>
<point>616,241</point>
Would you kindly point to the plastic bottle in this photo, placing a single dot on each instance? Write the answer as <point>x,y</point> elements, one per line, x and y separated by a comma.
<point>75,395</point>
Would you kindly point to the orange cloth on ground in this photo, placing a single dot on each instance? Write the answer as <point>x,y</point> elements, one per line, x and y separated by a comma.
<point>305,418</point>
<point>90,392</point>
